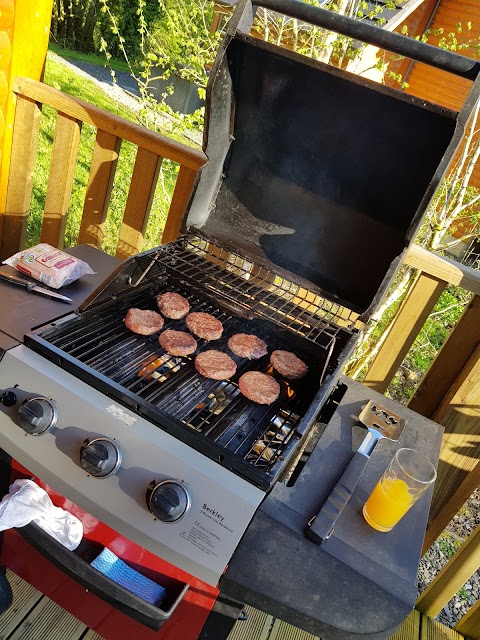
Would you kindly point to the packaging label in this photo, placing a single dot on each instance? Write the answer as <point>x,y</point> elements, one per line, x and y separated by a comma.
<point>207,531</point>
<point>121,414</point>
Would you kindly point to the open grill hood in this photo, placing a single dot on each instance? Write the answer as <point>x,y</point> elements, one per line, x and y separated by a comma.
<point>316,170</point>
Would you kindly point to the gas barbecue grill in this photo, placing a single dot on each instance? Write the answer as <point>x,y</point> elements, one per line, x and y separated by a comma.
<point>286,236</point>
<point>254,441</point>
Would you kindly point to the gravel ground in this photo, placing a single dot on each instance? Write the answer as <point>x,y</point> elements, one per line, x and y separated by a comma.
<point>437,556</point>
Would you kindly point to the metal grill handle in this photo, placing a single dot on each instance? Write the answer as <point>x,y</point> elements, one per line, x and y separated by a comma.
<point>394,42</point>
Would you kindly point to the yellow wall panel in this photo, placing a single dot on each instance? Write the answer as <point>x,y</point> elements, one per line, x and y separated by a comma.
<point>24,33</point>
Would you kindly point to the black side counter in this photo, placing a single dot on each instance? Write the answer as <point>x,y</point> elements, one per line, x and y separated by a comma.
<point>360,583</point>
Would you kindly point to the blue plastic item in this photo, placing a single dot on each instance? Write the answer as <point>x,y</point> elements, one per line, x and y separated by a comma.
<point>115,569</point>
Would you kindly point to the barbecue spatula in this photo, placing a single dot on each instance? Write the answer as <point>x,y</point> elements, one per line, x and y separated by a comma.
<point>381,423</point>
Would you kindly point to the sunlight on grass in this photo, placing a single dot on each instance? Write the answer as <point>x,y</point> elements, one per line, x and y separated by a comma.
<point>63,79</point>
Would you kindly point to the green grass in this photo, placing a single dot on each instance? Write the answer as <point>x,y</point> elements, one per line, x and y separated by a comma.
<point>448,544</point>
<point>463,594</point>
<point>66,80</point>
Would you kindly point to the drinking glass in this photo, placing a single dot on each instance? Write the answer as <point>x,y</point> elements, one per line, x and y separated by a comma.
<point>407,476</point>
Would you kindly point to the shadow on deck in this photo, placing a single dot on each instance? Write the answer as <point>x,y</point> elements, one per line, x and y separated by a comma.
<point>33,616</point>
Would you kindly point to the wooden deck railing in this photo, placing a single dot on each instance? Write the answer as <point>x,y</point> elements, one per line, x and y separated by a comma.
<point>111,130</point>
<point>450,391</point>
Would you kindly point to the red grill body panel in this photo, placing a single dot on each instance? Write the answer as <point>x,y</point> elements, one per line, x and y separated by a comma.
<point>19,556</point>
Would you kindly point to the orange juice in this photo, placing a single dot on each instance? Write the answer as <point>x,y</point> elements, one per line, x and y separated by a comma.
<point>389,501</point>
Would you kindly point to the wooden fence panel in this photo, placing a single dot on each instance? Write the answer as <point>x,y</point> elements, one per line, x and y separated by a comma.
<point>459,467</point>
<point>449,362</point>
<point>405,328</point>
<point>19,194</point>
<point>100,183</point>
<point>117,126</point>
<point>446,506</point>
<point>60,179</point>
<point>469,625</point>
<point>139,203</point>
<point>453,576</point>
<point>181,196</point>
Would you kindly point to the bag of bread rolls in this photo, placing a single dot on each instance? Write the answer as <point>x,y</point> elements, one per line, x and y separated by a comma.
<point>50,266</point>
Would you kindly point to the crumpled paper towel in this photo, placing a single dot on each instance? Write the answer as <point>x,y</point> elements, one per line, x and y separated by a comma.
<point>27,502</point>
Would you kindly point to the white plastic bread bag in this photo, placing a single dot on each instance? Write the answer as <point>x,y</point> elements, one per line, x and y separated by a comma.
<point>51,266</point>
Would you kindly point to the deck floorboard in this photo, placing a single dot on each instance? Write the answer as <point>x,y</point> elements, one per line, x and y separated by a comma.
<point>25,597</point>
<point>33,616</point>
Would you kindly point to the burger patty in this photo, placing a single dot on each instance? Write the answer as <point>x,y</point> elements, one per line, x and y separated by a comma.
<point>143,321</point>
<point>204,325</point>
<point>259,387</point>
<point>288,365</point>
<point>177,343</point>
<point>247,346</point>
<point>173,305</point>
<point>215,364</point>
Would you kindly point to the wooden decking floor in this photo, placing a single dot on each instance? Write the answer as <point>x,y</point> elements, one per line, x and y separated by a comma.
<point>33,616</point>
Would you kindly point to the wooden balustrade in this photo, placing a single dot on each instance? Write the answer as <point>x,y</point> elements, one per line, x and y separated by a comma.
<point>111,130</point>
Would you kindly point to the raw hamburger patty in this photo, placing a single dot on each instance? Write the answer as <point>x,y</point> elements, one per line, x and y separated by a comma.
<point>177,343</point>
<point>215,364</point>
<point>247,346</point>
<point>143,321</point>
<point>259,387</point>
<point>173,305</point>
<point>204,325</point>
<point>288,365</point>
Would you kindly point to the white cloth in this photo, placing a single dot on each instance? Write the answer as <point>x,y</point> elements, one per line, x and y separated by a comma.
<point>27,502</point>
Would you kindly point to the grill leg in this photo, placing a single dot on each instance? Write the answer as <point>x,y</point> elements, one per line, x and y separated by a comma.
<point>226,611</point>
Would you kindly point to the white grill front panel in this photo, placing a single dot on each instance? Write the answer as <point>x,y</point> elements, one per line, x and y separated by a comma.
<point>222,504</point>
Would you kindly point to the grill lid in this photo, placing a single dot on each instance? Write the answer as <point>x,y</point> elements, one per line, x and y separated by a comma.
<point>316,170</point>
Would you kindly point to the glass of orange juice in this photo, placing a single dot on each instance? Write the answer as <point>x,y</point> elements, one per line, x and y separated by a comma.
<point>408,475</point>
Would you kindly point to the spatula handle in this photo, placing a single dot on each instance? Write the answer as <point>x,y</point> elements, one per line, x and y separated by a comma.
<point>322,526</point>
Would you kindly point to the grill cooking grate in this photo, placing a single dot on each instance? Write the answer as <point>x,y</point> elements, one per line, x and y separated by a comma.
<point>254,289</point>
<point>96,345</point>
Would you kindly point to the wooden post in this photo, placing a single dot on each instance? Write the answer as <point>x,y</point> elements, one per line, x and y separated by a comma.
<point>24,149</point>
<point>181,195</point>
<point>60,180</point>
<point>453,575</point>
<point>139,202</point>
<point>405,328</point>
<point>448,364</point>
<point>24,33</point>
<point>459,467</point>
<point>469,625</point>
<point>100,184</point>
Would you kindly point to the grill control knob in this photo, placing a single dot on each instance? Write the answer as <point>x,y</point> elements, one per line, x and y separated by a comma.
<point>37,415</point>
<point>168,500</point>
<point>100,457</point>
